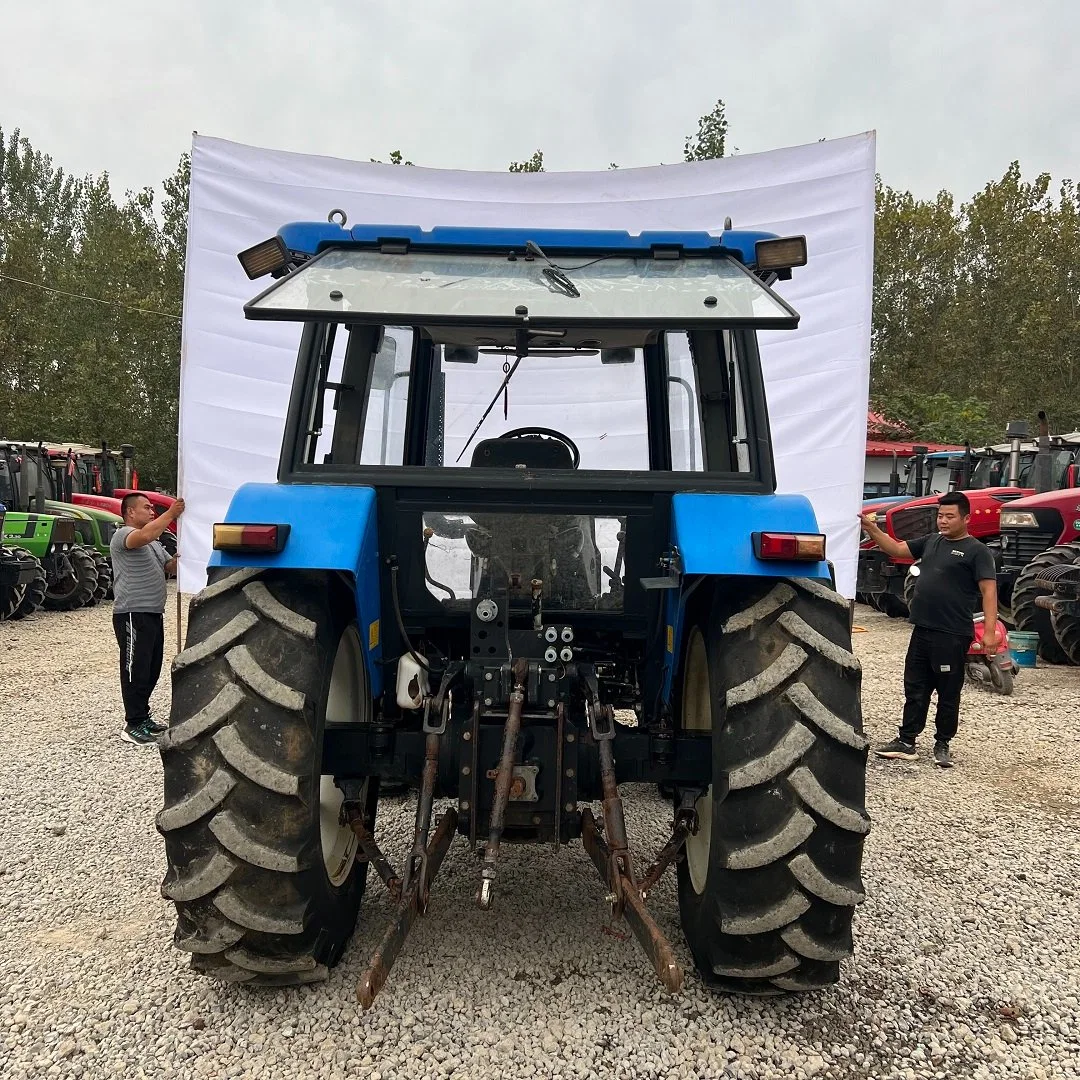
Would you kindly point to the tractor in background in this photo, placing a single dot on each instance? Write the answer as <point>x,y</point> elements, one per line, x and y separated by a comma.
<point>69,575</point>
<point>1002,474</point>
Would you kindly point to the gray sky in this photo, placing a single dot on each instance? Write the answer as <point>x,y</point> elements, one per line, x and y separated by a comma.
<point>955,90</point>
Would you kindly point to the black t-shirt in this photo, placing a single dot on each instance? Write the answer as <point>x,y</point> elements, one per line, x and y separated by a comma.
<point>947,589</point>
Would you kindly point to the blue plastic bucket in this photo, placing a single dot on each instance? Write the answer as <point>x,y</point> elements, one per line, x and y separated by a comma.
<point>1024,647</point>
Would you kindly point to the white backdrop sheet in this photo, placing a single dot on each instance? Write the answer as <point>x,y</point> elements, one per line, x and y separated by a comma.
<point>235,375</point>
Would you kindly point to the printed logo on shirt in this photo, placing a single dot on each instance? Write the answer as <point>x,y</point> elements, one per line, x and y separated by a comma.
<point>955,552</point>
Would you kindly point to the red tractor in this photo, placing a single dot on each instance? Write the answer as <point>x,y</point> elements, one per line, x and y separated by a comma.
<point>1004,474</point>
<point>98,477</point>
<point>1037,533</point>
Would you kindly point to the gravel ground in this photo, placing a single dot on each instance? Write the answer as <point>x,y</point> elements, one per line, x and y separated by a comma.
<point>966,949</point>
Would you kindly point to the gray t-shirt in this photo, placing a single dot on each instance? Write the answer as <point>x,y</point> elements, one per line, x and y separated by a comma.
<point>138,574</point>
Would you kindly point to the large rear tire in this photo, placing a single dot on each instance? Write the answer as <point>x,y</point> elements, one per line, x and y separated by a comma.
<point>1035,619</point>
<point>263,873</point>
<point>1066,627</point>
<point>909,587</point>
<point>104,577</point>
<point>76,588</point>
<point>11,596</point>
<point>893,606</point>
<point>34,596</point>
<point>772,877</point>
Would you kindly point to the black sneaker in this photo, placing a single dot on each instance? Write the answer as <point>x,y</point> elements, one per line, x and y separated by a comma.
<point>942,755</point>
<point>897,749</point>
<point>155,727</point>
<point>141,734</point>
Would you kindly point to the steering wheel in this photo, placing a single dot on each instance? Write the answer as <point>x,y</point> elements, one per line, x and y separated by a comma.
<point>545,433</point>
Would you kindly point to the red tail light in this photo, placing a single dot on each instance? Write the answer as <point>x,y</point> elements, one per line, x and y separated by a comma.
<point>265,538</point>
<point>790,547</point>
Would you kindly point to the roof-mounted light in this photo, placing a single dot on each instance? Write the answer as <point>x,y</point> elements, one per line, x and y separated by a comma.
<point>780,254</point>
<point>269,257</point>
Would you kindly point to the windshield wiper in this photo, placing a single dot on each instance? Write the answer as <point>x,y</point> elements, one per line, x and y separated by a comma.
<point>560,280</point>
<point>553,273</point>
<point>502,386</point>
<point>522,338</point>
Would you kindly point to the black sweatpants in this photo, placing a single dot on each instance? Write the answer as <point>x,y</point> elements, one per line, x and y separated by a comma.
<point>935,661</point>
<point>141,636</point>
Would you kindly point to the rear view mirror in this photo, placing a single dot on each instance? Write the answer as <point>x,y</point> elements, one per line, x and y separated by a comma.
<point>620,355</point>
<point>461,354</point>
<point>1072,476</point>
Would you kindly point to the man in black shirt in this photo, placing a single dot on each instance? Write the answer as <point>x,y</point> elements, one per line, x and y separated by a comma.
<point>957,577</point>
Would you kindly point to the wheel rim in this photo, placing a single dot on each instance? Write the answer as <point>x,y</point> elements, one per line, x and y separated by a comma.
<point>68,578</point>
<point>697,716</point>
<point>344,704</point>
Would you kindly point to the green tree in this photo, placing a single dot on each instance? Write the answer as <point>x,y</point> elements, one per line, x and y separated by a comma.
<point>711,137</point>
<point>977,304</point>
<point>533,164</point>
<point>90,296</point>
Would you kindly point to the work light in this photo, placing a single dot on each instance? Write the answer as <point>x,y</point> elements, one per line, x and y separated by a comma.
<point>266,258</point>
<point>780,254</point>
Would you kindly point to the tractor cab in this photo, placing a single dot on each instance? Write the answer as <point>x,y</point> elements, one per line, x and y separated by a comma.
<point>539,417</point>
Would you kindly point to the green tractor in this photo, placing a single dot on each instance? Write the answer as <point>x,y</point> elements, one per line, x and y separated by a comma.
<point>94,529</point>
<point>70,570</point>
<point>94,526</point>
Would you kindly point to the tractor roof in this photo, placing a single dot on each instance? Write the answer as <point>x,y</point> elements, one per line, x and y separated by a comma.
<point>311,237</point>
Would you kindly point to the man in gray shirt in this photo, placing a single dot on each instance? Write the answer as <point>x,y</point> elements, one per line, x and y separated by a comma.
<point>140,566</point>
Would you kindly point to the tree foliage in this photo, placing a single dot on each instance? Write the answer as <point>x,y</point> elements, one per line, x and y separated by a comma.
<point>533,164</point>
<point>975,308</point>
<point>975,304</point>
<point>90,294</point>
<point>711,138</point>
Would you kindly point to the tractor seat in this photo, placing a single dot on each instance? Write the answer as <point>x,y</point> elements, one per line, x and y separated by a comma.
<point>530,453</point>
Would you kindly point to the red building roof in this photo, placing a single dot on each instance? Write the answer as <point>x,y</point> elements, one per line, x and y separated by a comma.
<point>879,426</point>
<point>883,448</point>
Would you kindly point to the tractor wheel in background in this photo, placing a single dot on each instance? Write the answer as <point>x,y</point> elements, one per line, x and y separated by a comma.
<point>771,877</point>
<point>1066,627</point>
<point>263,874</point>
<point>93,598</point>
<point>10,599</point>
<point>104,579</point>
<point>1067,632</point>
<point>909,588</point>
<point>168,542</point>
<point>75,589</point>
<point>34,595</point>
<point>892,605</point>
<point>11,596</point>
<point>1035,619</point>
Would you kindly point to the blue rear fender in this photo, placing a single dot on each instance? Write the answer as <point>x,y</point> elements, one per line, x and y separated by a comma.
<point>713,534</point>
<point>330,528</point>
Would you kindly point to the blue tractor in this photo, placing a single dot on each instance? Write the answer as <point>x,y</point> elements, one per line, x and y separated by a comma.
<point>524,548</point>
